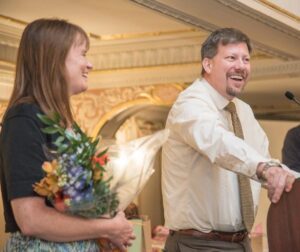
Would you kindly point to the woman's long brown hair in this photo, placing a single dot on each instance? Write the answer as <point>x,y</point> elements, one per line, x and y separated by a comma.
<point>40,68</point>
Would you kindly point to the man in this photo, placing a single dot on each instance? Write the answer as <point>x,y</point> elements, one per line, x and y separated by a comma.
<point>291,149</point>
<point>212,151</point>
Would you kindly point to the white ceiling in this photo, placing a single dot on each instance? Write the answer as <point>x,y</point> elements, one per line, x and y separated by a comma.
<point>101,17</point>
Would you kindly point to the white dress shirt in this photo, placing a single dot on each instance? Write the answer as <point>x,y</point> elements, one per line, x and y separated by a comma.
<point>201,158</point>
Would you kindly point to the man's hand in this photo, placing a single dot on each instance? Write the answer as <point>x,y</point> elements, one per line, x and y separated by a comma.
<point>276,180</point>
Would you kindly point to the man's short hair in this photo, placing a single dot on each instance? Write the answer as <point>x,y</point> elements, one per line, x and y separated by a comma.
<point>223,36</point>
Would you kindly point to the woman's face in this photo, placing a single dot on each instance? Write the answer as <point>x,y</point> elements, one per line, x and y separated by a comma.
<point>77,67</point>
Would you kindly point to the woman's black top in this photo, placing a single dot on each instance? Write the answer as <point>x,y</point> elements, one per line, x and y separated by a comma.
<point>21,156</point>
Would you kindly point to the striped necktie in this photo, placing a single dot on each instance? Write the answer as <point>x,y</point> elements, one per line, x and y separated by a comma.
<point>244,182</point>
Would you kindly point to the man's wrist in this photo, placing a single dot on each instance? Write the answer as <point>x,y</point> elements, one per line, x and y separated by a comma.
<point>263,167</point>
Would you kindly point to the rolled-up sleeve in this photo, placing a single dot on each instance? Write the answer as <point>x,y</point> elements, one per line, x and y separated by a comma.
<point>206,130</point>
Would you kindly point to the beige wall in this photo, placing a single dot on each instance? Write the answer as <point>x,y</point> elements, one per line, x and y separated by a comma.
<point>276,131</point>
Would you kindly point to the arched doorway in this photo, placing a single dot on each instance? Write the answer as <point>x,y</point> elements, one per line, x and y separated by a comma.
<point>137,118</point>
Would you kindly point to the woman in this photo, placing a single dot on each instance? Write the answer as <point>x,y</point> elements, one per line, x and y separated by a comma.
<point>51,66</point>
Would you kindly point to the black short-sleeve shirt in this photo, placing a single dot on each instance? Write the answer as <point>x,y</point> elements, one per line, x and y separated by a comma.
<point>21,156</point>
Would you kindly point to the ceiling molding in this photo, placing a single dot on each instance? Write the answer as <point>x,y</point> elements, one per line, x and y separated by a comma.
<point>276,7</point>
<point>9,42</point>
<point>144,35</point>
<point>7,66</point>
<point>174,47</point>
<point>8,54</point>
<point>208,26</point>
<point>147,57</point>
<point>157,50</point>
<point>256,15</point>
<point>10,31</point>
<point>10,35</point>
<point>7,76</point>
<point>273,52</point>
<point>183,73</point>
<point>177,14</point>
<point>14,21</point>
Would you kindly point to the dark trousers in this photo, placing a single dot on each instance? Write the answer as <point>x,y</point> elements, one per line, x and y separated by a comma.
<point>185,243</point>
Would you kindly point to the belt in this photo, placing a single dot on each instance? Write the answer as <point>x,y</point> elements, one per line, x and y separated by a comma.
<point>214,235</point>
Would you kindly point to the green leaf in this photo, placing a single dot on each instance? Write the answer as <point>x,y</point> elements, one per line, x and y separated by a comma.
<point>77,129</point>
<point>62,148</point>
<point>45,119</point>
<point>69,135</point>
<point>93,145</point>
<point>70,142</point>
<point>59,140</point>
<point>102,153</point>
<point>50,130</point>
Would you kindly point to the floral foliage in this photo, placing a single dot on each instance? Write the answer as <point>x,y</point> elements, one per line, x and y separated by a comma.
<point>75,180</point>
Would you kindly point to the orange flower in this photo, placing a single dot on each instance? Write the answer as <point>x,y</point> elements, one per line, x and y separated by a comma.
<point>48,186</point>
<point>98,173</point>
<point>100,160</point>
<point>50,167</point>
<point>40,189</point>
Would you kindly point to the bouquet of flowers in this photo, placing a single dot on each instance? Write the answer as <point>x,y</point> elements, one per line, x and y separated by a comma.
<point>82,181</point>
<point>75,180</point>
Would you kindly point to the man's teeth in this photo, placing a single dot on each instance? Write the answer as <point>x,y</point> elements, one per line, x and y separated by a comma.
<point>236,77</point>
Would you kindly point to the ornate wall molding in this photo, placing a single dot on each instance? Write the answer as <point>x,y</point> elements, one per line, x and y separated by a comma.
<point>8,53</point>
<point>134,50</point>
<point>180,73</point>
<point>10,34</point>
<point>6,82</point>
<point>6,76</point>
<point>275,53</point>
<point>3,105</point>
<point>184,73</point>
<point>147,57</point>
<point>283,69</point>
<point>89,107</point>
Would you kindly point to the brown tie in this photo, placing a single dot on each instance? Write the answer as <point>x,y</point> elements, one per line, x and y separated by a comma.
<point>244,182</point>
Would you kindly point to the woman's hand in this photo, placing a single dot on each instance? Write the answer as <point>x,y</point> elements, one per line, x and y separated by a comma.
<point>121,233</point>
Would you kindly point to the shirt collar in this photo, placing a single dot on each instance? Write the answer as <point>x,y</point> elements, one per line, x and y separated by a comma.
<point>220,101</point>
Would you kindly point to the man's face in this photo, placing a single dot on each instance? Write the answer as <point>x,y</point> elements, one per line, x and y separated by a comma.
<point>229,70</point>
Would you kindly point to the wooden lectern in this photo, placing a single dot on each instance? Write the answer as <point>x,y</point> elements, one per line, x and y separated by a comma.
<point>283,222</point>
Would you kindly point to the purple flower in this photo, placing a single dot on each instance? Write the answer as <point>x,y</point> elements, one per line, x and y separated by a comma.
<point>75,171</point>
<point>79,185</point>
